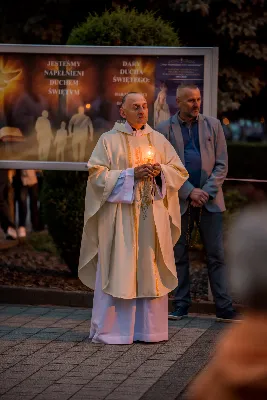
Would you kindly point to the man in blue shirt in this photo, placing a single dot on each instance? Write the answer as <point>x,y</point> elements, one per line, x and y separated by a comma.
<point>201,146</point>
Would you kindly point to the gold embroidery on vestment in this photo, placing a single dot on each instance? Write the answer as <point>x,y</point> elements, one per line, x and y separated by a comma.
<point>130,163</point>
<point>138,156</point>
<point>134,217</point>
<point>183,174</point>
<point>146,189</point>
<point>156,272</point>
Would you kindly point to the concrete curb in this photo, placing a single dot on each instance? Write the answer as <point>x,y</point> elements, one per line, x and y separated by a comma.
<point>40,296</point>
<point>7,244</point>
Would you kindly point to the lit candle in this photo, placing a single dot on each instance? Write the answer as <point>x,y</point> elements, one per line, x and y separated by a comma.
<point>150,155</point>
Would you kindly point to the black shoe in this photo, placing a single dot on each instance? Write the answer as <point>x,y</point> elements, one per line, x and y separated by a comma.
<point>8,237</point>
<point>228,316</point>
<point>179,313</point>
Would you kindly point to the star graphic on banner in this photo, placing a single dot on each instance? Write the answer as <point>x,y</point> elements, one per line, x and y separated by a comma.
<point>7,76</point>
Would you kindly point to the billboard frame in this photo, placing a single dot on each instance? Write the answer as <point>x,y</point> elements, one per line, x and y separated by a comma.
<point>211,61</point>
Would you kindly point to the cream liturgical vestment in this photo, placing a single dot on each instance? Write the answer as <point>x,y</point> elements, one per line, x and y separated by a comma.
<point>127,245</point>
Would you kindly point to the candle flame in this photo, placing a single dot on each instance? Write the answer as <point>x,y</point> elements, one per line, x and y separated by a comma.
<point>150,155</point>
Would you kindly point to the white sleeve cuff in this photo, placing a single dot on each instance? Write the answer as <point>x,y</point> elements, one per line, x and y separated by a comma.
<point>123,191</point>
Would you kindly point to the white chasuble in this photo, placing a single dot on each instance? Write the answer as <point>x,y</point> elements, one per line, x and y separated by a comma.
<point>133,243</point>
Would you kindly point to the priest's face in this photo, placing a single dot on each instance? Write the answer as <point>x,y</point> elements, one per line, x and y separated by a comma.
<point>134,110</point>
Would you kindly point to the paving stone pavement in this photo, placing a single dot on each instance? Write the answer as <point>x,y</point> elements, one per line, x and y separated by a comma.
<point>45,354</point>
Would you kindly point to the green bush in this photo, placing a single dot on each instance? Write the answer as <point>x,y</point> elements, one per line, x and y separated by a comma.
<point>124,28</point>
<point>247,160</point>
<point>63,192</point>
<point>63,196</point>
<point>234,201</point>
<point>42,241</point>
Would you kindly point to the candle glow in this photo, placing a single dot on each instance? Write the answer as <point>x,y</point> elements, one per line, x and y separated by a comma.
<point>150,155</point>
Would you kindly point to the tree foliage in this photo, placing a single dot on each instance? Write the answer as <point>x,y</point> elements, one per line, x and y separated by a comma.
<point>30,22</point>
<point>43,22</point>
<point>237,27</point>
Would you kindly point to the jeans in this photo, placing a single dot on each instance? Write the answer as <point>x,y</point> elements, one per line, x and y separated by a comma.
<point>5,218</point>
<point>21,194</point>
<point>211,233</point>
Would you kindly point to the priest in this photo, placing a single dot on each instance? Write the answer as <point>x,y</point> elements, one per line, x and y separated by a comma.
<point>131,223</point>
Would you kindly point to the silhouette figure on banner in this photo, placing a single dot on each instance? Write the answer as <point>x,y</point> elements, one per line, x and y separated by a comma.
<point>44,135</point>
<point>26,110</point>
<point>61,141</point>
<point>80,128</point>
<point>161,108</point>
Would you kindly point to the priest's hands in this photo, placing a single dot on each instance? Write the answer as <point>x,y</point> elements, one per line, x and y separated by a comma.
<point>145,171</point>
<point>156,169</point>
<point>199,197</point>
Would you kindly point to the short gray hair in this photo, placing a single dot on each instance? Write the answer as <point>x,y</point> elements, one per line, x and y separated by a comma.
<point>247,257</point>
<point>127,94</point>
<point>185,86</point>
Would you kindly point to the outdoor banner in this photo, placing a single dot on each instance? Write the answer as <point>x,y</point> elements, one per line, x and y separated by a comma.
<point>54,106</point>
